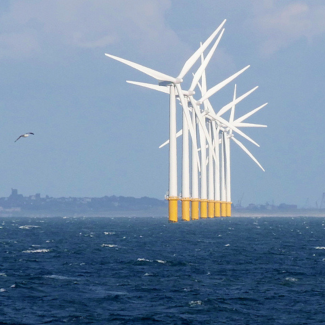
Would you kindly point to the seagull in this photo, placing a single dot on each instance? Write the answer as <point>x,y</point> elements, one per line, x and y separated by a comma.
<point>24,135</point>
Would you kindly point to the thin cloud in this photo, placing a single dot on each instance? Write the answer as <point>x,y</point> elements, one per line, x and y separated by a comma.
<point>281,25</point>
<point>27,28</point>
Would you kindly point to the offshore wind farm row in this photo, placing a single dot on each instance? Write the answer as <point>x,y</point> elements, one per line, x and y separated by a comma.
<point>206,135</point>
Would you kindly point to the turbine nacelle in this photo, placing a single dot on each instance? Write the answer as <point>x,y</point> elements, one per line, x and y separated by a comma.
<point>170,83</point>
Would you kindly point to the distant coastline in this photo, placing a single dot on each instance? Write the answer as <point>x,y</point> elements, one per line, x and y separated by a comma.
<point>119,206</point>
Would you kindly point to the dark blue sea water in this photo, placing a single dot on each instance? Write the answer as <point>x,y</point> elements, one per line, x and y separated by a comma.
<point>147,271</point>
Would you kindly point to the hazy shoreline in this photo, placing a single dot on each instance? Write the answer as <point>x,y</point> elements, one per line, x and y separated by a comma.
<point>157,213</point>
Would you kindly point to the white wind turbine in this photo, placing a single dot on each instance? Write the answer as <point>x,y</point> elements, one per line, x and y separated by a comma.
<point>204,135</point>
<point>228,134</point>
<point>215,195</point>
<point>213,187</point>
<point>173,85</point>
<point>217,184</point>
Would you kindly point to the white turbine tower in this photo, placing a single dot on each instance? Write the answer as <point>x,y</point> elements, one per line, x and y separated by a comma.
<point>173,85</point>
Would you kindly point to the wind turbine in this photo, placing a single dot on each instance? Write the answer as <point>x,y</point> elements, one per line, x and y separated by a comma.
<point>219,191</point>
<point>228,134</point>
<point>188,99</point>
<point>173,84</point>
<point>210,200</point>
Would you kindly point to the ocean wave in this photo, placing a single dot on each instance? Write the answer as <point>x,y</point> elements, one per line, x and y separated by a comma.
<point>161,261</point>
<point>58,277</point>
<point>143,260</point>
<point>195,303</point>
<point>37,250</point>
<point>28,227</point>
<point>291,279</point>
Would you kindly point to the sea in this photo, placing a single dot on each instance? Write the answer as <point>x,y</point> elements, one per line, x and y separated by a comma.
<point>142,270</point>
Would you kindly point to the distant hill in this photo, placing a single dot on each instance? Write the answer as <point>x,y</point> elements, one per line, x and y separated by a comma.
<point>18,204</point>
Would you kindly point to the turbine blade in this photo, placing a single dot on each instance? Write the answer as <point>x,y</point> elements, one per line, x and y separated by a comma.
<point>239,99</point>
<point>232,112</point>
<point>201,69</point>
<point>178,134</point>
<point>199,116</point>
<point>150,72</point>
<point>250,125</point>
<point>205,103</point>
<point>191,61</point>
<point>248,152</point>
<point>232,127</point>
<point>244,117</point>
<point>162,89</point>
<point>220,85</point>
<point>204,79</point>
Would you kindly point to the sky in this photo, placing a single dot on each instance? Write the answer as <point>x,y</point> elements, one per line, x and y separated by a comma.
<point>96,135</point>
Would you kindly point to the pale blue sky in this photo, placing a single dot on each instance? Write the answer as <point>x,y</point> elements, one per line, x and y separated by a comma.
<point>95,135</point>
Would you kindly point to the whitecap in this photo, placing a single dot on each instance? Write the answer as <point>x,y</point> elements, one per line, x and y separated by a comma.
<point>37,251</point>
<point>195,303</point>
<point>291,279</point>
<point>143,260</point>
<point>161,261</point>
<point>147,274</point>
<point>227,245</point>
<point>320,247</point>
<point>108,245</point>
<point>28,227</point>
<point>58,277</point>
<point>2,290</point>
<point>3,274</point>
<point>109,232</point>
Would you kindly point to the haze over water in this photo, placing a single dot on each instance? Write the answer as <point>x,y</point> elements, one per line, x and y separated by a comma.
<point>144,270</point>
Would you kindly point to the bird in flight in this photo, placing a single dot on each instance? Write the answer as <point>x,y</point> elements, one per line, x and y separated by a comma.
<point>24,135</point>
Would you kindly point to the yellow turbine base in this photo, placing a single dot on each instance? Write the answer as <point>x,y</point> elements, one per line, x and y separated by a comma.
<point>217,209</point>
<point>204,209</point>
<point>195,209</point>
<point>172,209</point>
<point>186,209</point>
<point>228,209</point>
<point>211,209</point>
<point>223,209</point>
